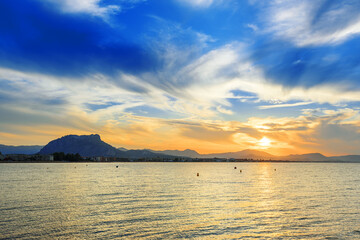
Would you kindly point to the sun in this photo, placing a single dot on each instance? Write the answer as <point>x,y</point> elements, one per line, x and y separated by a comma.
<point>264,142</point>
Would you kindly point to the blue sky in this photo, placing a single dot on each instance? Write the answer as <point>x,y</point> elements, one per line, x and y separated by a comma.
<point>211,75</point>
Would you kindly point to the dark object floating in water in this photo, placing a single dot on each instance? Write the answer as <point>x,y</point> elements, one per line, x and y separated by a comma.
<point>234,167</point>
<point>197,174</point>
<point>117,166</point>
<point>240,170</point>
<point>275,169</point>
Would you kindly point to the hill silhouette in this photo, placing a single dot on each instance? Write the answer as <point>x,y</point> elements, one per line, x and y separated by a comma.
<point>85,145</point>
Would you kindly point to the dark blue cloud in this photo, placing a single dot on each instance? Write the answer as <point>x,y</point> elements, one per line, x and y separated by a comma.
<point>17,95</point>
<point>324,15</point>
<point>316,53</point>
<point>309,66</point>
<point>36,37</point>
<point>94,107</point>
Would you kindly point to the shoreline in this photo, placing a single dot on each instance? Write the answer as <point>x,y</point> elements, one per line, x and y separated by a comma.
<point>137,161</point>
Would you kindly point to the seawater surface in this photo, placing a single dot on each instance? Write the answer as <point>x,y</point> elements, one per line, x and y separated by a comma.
<point>169,201</point>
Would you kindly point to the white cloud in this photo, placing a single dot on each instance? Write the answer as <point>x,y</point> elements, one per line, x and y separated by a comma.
<point>285,105</point>
<point>201,89</point>
<point>217,74</point>
<point>224,110</point>
<point>198,3</point>
<point>313,22</point>
<point>253,27</point>
<point>87,6</point>
<point>209,82</point>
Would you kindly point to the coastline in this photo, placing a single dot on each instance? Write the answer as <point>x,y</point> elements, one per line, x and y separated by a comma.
<point>205,161</point>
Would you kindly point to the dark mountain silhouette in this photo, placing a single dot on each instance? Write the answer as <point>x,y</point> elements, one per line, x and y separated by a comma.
<point>318,157</point>
<point>122,149</point>
<point>93,146</point>
<point>186,153</point>
<point>256,155</point>
<point>245,154</point>
<point>137,154</point>
<point>5,149</point>
<point>346,158</point>
<point>305,157</point>
<point>85,145</point>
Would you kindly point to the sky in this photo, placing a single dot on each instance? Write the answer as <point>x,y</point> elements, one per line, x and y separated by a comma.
<point>282,76</point>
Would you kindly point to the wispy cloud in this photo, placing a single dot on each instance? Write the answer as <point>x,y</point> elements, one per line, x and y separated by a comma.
<point>312,23</point>
<point>253,27</point>
<point>285,105</point>
<point>224,110</point>
<point>198,3</point>
<point>92,7</point>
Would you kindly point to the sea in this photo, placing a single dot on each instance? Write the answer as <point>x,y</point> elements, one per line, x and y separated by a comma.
<point>180,200</point>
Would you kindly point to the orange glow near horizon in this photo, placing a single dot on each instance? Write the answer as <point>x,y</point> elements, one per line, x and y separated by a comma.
<point>203,136</point>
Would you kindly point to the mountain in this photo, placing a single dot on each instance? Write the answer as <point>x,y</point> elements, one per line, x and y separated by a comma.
<point>137,154</point>
<point>93,146</point>
<point>245,154</point>
<point>305,157</point>
<point>318,157</point>
<point>122,149</point>
<point>85,145</point>
<point>5,149</point>
<point>346,158</point>
<point>256,155</point>
<point>186,153</point>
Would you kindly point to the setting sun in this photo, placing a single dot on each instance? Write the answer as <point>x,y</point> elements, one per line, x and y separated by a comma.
<point>265,142</point>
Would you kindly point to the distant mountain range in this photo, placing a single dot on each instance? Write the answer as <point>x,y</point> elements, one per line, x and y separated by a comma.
<point>261,155</point>
<point>245,154</point>
<point>186,153</point>
<point>92,146</point>
<point>5,149</point>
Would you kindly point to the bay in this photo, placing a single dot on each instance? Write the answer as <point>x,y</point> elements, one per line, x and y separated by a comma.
<point>169,201</point>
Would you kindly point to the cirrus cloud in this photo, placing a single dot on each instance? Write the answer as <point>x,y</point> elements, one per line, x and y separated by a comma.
<point>313,22</point>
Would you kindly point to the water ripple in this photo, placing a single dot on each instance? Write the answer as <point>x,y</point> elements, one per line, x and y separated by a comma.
<point>168,201</point>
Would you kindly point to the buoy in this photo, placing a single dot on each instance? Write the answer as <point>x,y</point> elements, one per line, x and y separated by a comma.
<point>117,166</point>
<point>197,174</point>
<point>234,167</point>
<point>240,170</point>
